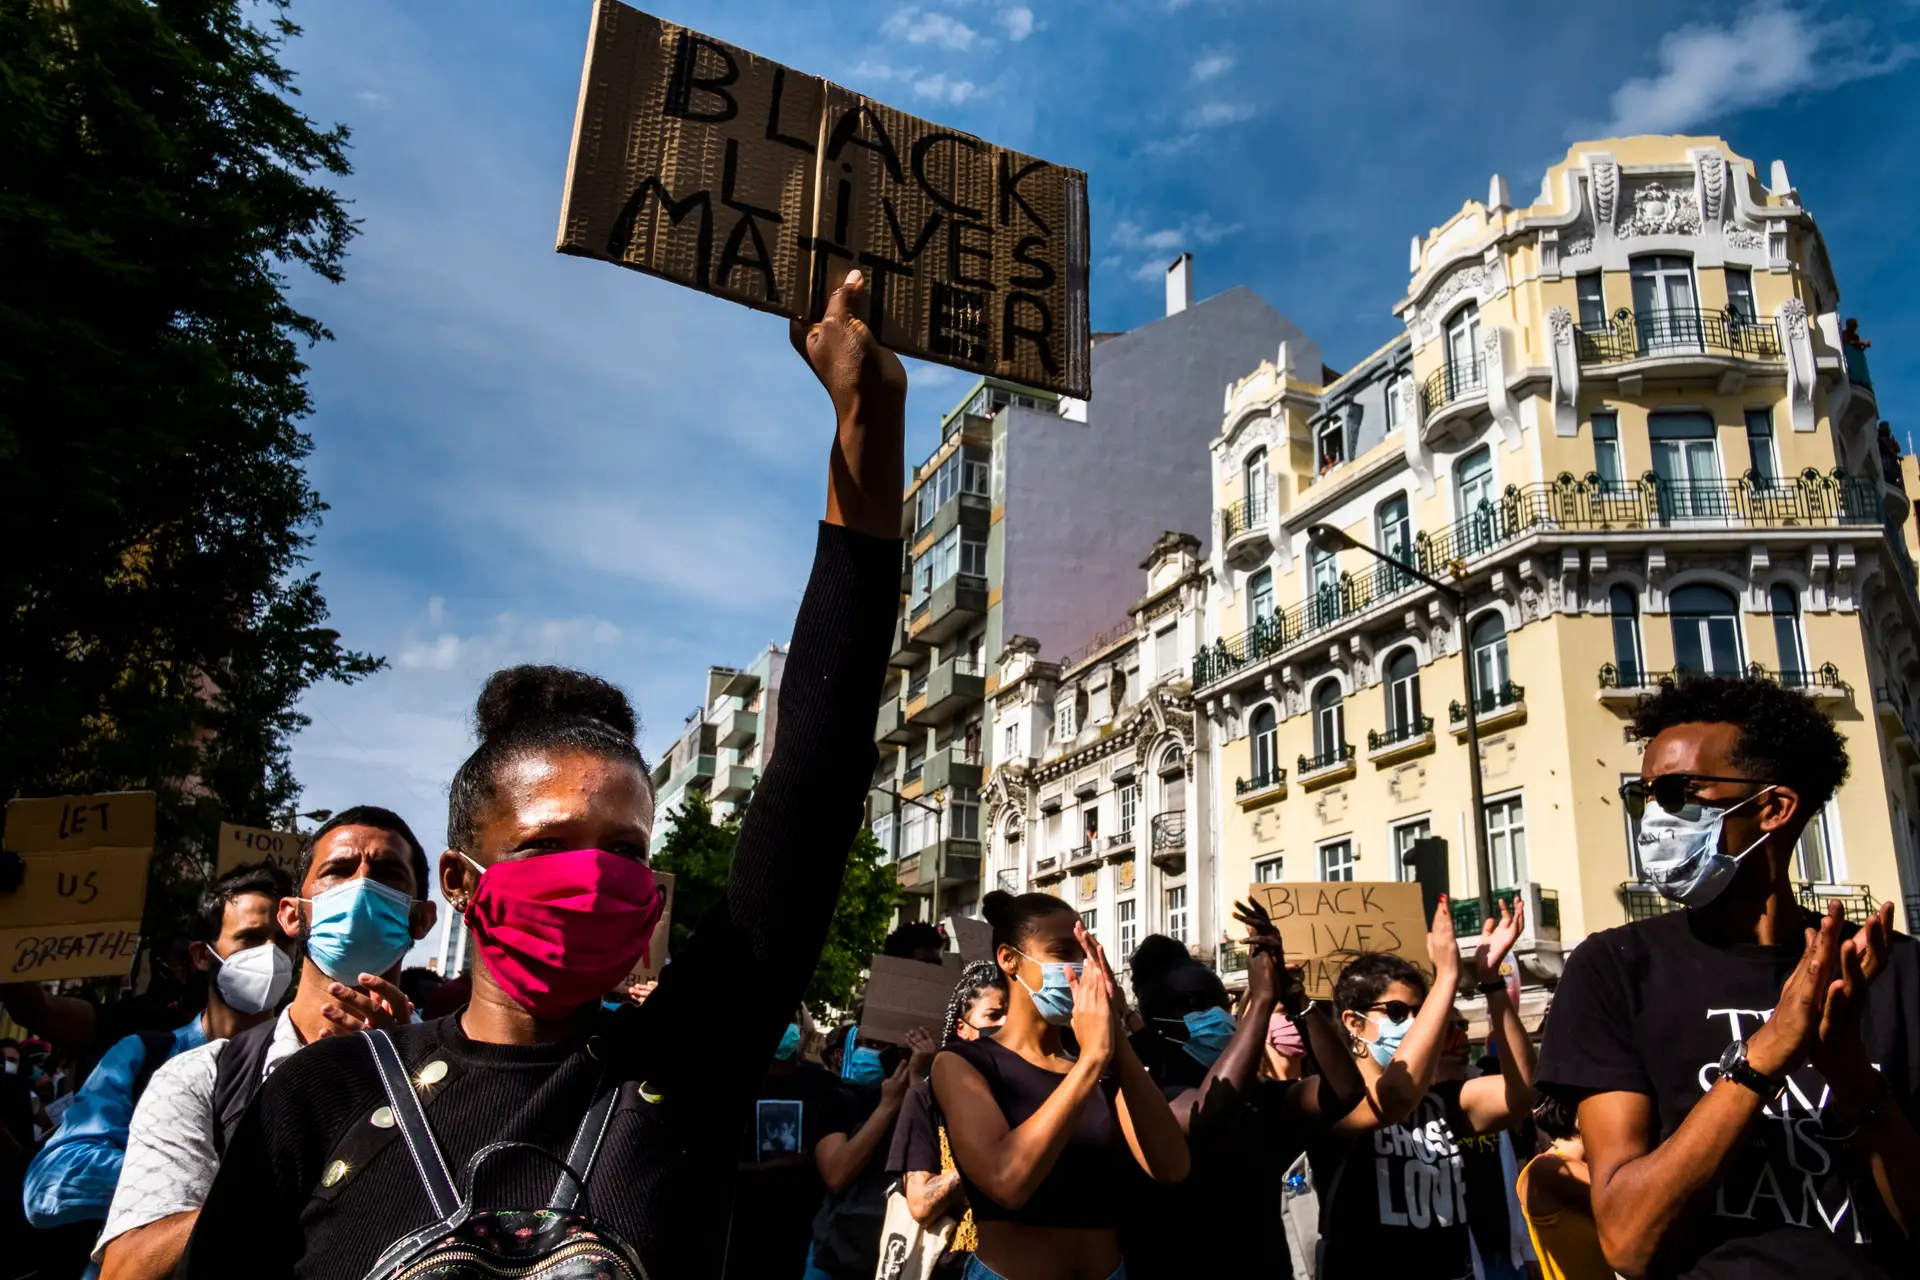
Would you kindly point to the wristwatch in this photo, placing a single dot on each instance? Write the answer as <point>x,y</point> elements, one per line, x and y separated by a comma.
<point>1734,1067</point>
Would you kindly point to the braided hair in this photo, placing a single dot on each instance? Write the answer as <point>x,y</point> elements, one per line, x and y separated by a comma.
<point>976,980</point>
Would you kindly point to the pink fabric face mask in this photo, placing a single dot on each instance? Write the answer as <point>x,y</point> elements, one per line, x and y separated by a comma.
<point>557,930</point>
<point>1284,1036</point>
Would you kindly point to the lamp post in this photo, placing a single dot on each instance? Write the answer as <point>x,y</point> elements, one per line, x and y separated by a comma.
<point>933,900</point>
<point>1327,536</point>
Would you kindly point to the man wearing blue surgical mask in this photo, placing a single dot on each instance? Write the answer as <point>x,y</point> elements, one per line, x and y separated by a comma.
<point>355,910</point>
<point>1745,1070</point>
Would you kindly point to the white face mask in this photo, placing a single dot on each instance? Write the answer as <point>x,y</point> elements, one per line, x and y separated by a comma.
<point>253,980</point>
<point>13,1068</point>
<point>1680,852</point>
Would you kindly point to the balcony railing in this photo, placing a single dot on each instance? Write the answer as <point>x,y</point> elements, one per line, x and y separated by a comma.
<point>1452,382</point>
<point>1008,882</point>
<point>916,686</point>
<point>1466,911</point>
<point>1678,330</point>
<point>1120,840</point>
<point>1260,781</point>
<point>1169,830</point>
<point>1332,758</point>
<point>1414,728</point>
<point>1488,701</point>
<point>1233,957</point>
<point>1643,901</point>
<point>1856,900</point>
<point>913,773</point>
<point>1238,517</point>
<point>1826,676</point>
<point>1562,505</point>
<point>1857,367</point>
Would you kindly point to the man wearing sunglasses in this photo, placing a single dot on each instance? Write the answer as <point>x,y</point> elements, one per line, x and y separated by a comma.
<point>1745,1070</point>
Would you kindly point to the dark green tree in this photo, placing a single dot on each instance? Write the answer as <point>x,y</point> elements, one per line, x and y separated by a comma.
<point>157,625</point>
<point>699,853</point>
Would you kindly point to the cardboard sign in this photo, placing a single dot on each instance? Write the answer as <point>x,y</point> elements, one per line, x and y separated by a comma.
<point>239,845</point>
<point>904,994</point>
<point>1325,924</point>
<point>704,164</point>
<point>648,967</point>
<point>55,824</point>
<point>83,885</point>
<point>976,939</point>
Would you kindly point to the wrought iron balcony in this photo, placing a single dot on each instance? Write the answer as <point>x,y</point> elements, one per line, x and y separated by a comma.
<point>1823,679</point>
<point>1169,830</point>
<point>1417,727</point>
<point>1488,701</point>
<point>1232,957</point>
<point>1261,781</point>
<point>1239,517</point>
<point>1678,331</point>
<point>1856,900</point>
<point>1466,911</point>
<point>1643,901</point>
<point>1453,382</point>
<point>1566,504</point>
<point>1332,758</point>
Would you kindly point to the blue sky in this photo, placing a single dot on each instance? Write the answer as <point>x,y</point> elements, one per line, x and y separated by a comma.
<point>532,457</point>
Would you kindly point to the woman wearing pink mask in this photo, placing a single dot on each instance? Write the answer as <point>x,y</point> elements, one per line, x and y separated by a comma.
<point>550,825</point>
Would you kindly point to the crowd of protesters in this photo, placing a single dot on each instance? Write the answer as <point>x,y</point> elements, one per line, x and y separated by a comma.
<point>1725,1090</point>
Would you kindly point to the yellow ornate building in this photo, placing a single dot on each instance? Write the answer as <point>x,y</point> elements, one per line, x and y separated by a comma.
<point>1625,421</point>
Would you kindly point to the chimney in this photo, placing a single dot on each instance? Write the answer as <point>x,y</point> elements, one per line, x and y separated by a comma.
<point>1180,284</point>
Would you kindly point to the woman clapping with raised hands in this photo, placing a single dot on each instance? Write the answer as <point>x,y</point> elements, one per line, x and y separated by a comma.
<point>1052,1147</point>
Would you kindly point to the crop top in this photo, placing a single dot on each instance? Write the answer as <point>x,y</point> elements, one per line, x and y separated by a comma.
<point>1095,1177</point>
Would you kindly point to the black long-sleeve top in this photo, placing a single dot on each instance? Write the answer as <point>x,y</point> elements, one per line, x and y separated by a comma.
<point>664,1177</point>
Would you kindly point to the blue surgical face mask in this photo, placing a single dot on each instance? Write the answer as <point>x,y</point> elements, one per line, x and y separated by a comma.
<point>1680,852</point>
<point>1388,1042</point>
<point>789,1044</point>
<point>1054,999</point>
<point>1208,1033</point>
<point>358,927</point>
<point>860,1065</point>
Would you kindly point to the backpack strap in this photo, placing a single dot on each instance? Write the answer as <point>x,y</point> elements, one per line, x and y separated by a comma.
<point>237,1079</point>
<point>586,1146</point>
<point>411,1121</point>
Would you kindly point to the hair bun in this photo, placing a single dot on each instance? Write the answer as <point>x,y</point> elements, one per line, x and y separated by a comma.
<point>514,696</point>
<point>1155,958</point>
<point>997,908</point>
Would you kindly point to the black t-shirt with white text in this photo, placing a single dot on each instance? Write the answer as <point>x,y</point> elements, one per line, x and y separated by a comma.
<point>1397,1197</point>
<point>1649,1007</point>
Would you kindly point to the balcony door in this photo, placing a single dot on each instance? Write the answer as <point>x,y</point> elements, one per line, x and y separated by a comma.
<point>1264,731</point>
<point>1473,495</point>
<point>1256,486</point>
<point>1666,308</point>
<point>1403,694</point>
<point>1686,462</point>
<point>1706,630</point>
<point>1463,346</point>
<point>1393,534</point>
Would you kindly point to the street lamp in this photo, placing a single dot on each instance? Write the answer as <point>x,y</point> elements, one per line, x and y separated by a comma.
<point>1330,538</point>
<point>933,900</point>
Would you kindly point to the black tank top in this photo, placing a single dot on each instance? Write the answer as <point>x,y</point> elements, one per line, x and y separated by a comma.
<point>1399,1193</point>
<point>1095,1177</point>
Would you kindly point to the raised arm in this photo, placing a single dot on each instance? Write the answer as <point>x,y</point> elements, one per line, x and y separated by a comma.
<point>1158,1143</point>
<point>1492,1105</point>
<point>1409,1078</point>
<point>754,952</point>
<point>1646,1192</point>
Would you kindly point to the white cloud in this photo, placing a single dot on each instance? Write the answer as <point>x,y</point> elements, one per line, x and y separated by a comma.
<point>1211,115</point>
<point>880,71</point>
<point>1018,21</point>
<point>1762,57</point>
<point>369,97</point>
<point>1151,251</point>
<point>916,26</point>
<point>940,88</point>
<point>1212,66</point>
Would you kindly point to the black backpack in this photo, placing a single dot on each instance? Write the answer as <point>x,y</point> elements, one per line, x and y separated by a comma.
<point>558,1242</point>
<point>238,1078</point>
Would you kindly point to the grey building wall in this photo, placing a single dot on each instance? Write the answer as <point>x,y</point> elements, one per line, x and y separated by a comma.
<point>1359,403</point>
<point>1084,500</point>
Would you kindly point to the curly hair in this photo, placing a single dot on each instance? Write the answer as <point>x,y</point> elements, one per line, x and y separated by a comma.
<point>1364,980</point>
<point>1783,738</point>
<point>976,980</point>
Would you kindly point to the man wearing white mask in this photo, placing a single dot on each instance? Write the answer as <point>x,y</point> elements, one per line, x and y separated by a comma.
<point>1746,1070</point>
<point>72,1180</point>
<point>358,907</point>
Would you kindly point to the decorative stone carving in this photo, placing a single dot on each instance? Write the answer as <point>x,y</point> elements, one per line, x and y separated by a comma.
<point>1745,238</point>
<point>1606,189</point>
<point>1579,244</point>
<point>1457,282</point>
<point>1413,435</point>
<point>1660,212</point>
<point>1493,355</point>
<point>1563,360</point>
<point>1713,188</point>
<point>1797,345</point>
<point>1550,255</point>
<point>1407,782</point>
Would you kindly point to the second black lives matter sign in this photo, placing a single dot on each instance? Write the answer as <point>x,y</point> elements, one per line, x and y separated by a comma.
<point>720,170</point>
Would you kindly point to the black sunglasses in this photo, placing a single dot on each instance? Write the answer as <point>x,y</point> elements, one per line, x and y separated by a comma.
<point>1396,1010</point>
<point>1669,790</point>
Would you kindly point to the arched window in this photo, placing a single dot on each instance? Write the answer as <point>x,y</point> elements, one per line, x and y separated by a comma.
<point>1329,722</point>
<point>1173,781</point>
<point>1666,310</point>
<point>1403,693</point>
<point>1323,586</point>
<point>1393,534</point>
<point>1706,630</point>
<point>1463,349</point>
<point>1264,730</point>
<point>1488,640</point>
<point>1254,477</point>
<point>1786,635</point>
<point>1626,636</point>
<point>1260,597</point>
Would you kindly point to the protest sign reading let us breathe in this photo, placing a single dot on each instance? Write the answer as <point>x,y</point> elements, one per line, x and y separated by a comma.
<point>1324,924</point>
<point>83,886</point>
<point>712,167</point>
